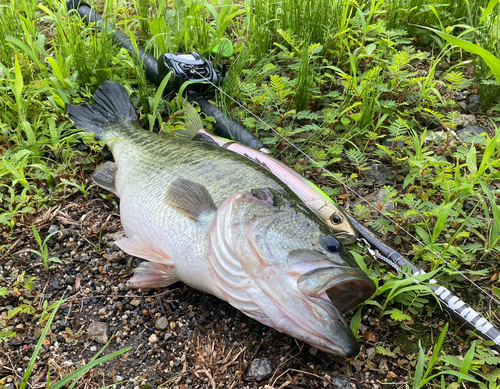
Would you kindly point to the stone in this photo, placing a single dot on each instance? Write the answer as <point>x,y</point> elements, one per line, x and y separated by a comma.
<point>380,173</point>
<point>135,302</point>
<point>469,134</point>
<point>341,382</point>
<point>466,120</point>
<point>153,339</point>
<point>122,287</point>
<point>473,103</point>
<point>377,199</point>
<point>102,312</point>
<point>459,96</point>
<point>260,369</point>
<point>161,324</point>
<point>390,143</point>
<point>98,331</point>
<point>69,280</point>
<point>111,257</point>
<point>63,324</point>
<point>55,283</point>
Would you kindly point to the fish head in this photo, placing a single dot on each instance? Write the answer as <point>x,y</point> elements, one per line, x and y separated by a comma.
<point>284,268</point>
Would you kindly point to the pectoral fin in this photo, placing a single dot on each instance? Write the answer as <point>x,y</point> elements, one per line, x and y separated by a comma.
<point>104,176</point>
<point>141,249</point>
<point>190,198</point>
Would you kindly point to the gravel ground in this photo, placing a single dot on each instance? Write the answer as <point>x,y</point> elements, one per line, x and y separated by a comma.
<point>179,337</point>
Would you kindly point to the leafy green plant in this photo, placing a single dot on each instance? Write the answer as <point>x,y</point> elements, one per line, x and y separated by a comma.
<point>44,250</point>
<point>423,374</point>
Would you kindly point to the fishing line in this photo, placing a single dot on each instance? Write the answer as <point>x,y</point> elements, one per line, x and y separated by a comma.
<point>352,191</point>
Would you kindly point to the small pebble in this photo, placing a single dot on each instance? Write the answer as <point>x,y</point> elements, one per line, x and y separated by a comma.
<point>161,324</point>
<point>98,331</point>
<point>135,303</point>
<point>260,369</point>
<point>122,287</point>
<point>153,339</point>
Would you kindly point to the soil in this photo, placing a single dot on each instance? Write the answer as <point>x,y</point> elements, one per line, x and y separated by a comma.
<point>202,342</point>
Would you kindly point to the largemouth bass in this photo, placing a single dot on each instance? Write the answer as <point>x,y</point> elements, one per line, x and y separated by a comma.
<point>224,225</point>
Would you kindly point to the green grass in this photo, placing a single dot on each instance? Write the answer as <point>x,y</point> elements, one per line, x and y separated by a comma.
<point>334,77</point>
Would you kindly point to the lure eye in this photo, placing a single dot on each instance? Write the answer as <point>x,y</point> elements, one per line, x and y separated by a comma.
<point>336,218</point>
<point>331,244</point>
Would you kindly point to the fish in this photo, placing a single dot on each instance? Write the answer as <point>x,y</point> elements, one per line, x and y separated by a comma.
<point>314,198</point>
<point>224,225</point>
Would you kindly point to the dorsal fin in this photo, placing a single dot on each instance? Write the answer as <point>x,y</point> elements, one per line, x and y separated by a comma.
<point>190,198</point>
<point>104,176</point>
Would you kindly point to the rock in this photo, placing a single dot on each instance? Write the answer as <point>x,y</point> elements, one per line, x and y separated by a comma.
<point>93,349</point>
<point>473,103</point>
<point>377,200</point>
<point>98,331</point>
<point>63,324</point>
<point>111,257</point>
<point>380,173</point>
<point>390,144</point>
<point>466,120</point>
<point>459,96</point>
<point>53,228</point>
<point>153,339</point>
<point>55,283</point>
<point>161,324</point>
<point>468,134</point>
<point>119,378</point>
<point>341,382</point>
<point>135,303</point>
<point>69,280</point>
<point>102,312</point>
<point>122,287</point>
<point>260,369</point>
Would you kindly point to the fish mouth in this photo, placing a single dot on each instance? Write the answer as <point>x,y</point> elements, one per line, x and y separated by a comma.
<point>344,287</point>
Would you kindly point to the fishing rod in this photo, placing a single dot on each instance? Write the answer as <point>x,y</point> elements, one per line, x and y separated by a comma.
<point>194,67</point>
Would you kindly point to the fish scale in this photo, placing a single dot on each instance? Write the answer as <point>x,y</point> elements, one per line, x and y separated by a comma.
<point>225,225</point>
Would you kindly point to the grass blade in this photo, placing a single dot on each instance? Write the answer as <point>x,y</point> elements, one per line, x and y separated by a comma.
<point>490,60</point>
<point>39,346</point>
<point>81,370</point>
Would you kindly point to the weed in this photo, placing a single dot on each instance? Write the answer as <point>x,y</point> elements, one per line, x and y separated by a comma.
<point>44,250</point>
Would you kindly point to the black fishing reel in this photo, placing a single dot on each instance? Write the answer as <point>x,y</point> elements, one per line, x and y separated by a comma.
<point>188,67</point>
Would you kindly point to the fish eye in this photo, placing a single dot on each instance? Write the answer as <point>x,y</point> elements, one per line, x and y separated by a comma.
<point>336,218</point>
<point>331,244</point>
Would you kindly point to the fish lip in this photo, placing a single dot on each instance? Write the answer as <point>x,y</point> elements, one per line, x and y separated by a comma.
<point>349,289</point>
<point>346,344</point>
<point>344,287</point>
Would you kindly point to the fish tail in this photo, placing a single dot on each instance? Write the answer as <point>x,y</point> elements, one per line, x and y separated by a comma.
<point>111,104</point>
